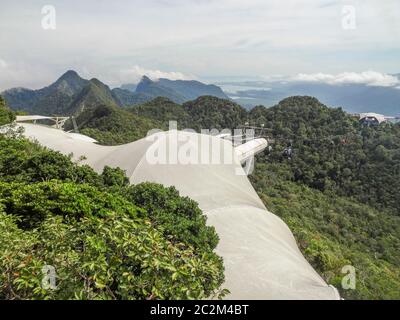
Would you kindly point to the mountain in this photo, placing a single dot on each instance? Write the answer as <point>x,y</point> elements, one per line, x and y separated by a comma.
<point>54,99</point>
<point>192,89</point>
<point>163,110</point>
<point>6,115</point>
<point>338,191</point>
<point>154,89</point>
<point>95,93</point>
<point>21,98</point>
<point>178,91</point>
<point>71,93</point>
<point>126,98</point>
<point>112,125</point>
<point>129,87</point>
<point>205,112</point>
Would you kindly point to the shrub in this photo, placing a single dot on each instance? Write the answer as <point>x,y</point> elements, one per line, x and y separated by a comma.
<point>6,115</point>
<point>33,203</point>
<point>178,216</point>
<point>96,232</point>
<point>112,257</point>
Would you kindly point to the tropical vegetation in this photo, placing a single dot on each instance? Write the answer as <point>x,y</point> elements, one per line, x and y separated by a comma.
<point>104,238</point>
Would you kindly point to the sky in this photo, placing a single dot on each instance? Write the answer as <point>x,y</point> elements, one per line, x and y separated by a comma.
<point>118,41</point>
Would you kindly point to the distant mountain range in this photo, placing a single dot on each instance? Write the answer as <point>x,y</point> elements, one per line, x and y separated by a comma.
<point>71,94</point>
<point>351,97</point>
<point>178,91</point>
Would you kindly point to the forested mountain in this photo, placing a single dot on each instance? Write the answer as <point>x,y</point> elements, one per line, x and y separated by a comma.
<point>153,89</point>
<point>21,98</point>
<point>210,112</point>
<point>94,94</point>
<point>54,99</point>
<point>337,189</point>
<point>6,115</point>
<point>111,125</point>
<point>333,152</point>
<point>202,113</point>
<point>163,110</point>
<point>125,98</point>
<point>70,94</point>
<point>176,90</point>
<point>129,87</point>
<point>192,89</point>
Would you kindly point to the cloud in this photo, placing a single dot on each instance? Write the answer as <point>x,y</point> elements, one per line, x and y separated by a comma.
<point>23,75</point>
<point>3,64</point>
<point>209,38</point>
<point>369,78</point>
<point>135,73</point>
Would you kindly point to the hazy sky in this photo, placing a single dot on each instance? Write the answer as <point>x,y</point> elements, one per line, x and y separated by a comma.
<point>209,40</point>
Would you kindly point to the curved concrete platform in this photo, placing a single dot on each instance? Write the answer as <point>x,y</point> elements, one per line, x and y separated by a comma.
<point>261,257</point>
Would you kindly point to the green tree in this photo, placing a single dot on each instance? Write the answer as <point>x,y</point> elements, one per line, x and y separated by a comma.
<point>6,115</point>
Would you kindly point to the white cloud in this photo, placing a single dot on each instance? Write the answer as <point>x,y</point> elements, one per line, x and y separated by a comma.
<point>208,38</point>
<point>3,64</point>
<point>134,74</point>
<point>369,78</point>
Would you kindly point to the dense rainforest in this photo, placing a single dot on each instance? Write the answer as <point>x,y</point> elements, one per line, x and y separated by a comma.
<point>336,189</point>
<point>105,238</point>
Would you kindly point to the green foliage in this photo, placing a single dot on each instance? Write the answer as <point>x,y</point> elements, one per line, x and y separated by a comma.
<point>205,112</point>
<point>93,95</point>
<point>114,177</point>
<point>23,161</point>
<point>111,125</point>
<point>335,231</point>
<point>32,203</point>
<point>102,244</point>
<point>209,112</point>
<point>179,217</point>
<point>6,115</point>
<point>333,152</point>
<point>338,192</point>
<point>113,257</point>
<point>163,110</point>
<point>54,99</point>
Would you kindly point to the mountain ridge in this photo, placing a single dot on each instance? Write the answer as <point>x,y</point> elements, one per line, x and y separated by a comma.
<point>70,93</point>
